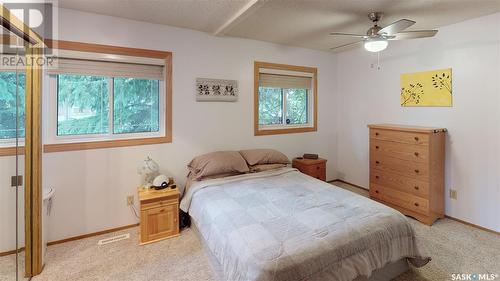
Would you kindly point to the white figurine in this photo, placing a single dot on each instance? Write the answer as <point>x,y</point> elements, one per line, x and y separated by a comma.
<point>148,169</point>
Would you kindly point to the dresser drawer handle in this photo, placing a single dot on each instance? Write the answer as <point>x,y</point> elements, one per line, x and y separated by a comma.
<point>416,187</point>
<point>416,154</point>
<point>377,177</point>
<point>377,162</point>
<point>376,147</point>
<point>417,171</point>
<point>317,167</point>
<point>376,191</point>
<point>162,210</point>
<point>416,138</point>
<point>376,134</point>
<point>416,205</point>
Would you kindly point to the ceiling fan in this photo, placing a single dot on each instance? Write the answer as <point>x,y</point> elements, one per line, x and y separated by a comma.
<point>376,38</point>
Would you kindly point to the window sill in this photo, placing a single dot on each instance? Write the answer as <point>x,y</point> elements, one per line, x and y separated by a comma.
<point>11,151</point>
<point>74,146</point>
<point>264,132</point>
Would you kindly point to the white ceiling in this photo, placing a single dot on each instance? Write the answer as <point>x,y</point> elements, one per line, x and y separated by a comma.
<point>304,23</point>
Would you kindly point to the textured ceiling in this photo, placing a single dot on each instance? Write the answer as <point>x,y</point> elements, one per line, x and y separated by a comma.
<point>304,23</point>
<point>202,15</point>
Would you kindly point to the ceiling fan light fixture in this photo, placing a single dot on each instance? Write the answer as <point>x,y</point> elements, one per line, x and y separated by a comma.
<point>376,45</point>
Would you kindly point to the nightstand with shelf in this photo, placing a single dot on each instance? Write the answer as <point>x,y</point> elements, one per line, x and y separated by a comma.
<point>159,214</point>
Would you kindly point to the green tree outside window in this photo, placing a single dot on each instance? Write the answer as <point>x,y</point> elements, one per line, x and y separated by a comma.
<point>8,105</point>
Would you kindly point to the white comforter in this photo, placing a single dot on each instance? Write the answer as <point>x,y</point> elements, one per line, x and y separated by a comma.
<point>283,225</point>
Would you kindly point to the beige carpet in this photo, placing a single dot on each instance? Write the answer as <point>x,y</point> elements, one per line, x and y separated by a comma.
<point>454,248</point>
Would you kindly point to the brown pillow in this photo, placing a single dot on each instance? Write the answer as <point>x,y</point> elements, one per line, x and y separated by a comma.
<point>216,163</point>
<point>265,167</point>
<point>264,156</point>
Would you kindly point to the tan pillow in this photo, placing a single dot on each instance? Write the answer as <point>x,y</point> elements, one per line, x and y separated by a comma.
<point>264,156</point>
<point>216,163</point>
<point>265,167</point>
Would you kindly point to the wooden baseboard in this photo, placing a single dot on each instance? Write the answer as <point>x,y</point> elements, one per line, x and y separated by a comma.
<point>451,218</point>
<point>91,234</point>
<point>11,252</point>
<point>75,238</point>
<point>473,225</point>
<point>346,182</point>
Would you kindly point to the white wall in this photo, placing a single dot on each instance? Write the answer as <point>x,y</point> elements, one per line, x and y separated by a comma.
<point>368,95</point>
<point>91,186</point>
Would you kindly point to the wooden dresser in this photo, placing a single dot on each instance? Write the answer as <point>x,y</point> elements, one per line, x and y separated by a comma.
<point>407,169</point>
<point>159,214</point>
<point>315,168</point>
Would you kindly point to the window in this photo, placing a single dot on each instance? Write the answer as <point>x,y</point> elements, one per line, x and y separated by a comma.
<point>286,99</point>
<point>281,106</point>
<point>82,105</point>
<point>96,107</point>
<point>136,105</point>
<point>111,99</point>
<point>8,102</point>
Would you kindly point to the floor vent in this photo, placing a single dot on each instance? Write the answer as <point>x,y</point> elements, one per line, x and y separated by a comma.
<point>113,239</point>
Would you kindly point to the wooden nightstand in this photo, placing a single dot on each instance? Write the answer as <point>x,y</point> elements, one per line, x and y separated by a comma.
<point>159,214</point>
<point>313,167</point>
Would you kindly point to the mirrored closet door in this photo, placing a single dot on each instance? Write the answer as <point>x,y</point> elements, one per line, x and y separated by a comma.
<point>20,149</point>
<point>12,134</point>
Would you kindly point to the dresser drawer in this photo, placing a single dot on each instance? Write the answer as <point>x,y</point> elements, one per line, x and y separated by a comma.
<point>411,169</point>
<point>410,152</point>
<point>401,137</point>
<point>401,199</point>
<point>402,183</point>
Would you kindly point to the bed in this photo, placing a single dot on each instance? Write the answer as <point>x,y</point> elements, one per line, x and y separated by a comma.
<point>283,225</point>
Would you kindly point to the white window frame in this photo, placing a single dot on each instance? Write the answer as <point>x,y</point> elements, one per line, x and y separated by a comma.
<point>310,113</point>
<point>53,138</point>
<point>11,143</point>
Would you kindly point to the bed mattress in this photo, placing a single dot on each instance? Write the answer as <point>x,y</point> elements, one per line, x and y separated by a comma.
<point>283,225</point>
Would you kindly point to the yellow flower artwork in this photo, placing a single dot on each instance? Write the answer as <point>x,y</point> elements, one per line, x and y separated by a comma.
<point>429,88</point>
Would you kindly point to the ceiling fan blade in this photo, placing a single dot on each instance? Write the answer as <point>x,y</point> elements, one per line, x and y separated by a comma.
<point>396,27</point>
<point>346,46</point>
<point>349,34</point>
<point>413,34</point>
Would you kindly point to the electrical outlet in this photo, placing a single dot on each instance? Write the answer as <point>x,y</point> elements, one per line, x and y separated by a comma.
<point>453,194</point>
<point>130,200</point>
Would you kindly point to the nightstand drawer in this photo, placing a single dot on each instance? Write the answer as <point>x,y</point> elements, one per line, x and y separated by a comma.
<point>158,204</point>
<point>316,171</point>
<point>315,168</point>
